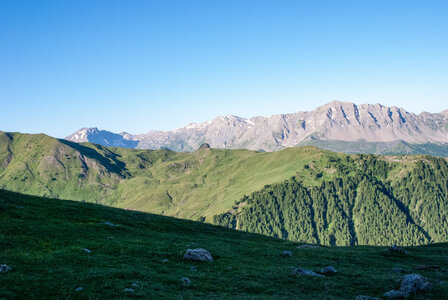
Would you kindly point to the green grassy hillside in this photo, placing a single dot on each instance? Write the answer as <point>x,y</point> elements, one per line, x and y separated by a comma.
<point>187,185</point>
<point>333,198</point>
<point>42,240</point>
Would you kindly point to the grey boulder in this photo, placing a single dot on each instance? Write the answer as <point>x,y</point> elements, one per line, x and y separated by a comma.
<point>410,284</point>
<point>328,270</point>
<point>362,297</point>
<point>300,271</point>
<point>414,283</point>
<point>4,268</point>
<point>395,294</point>
<point>198,255</point>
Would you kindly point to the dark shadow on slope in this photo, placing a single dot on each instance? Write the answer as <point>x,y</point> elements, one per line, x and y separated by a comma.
<point>109,160</point>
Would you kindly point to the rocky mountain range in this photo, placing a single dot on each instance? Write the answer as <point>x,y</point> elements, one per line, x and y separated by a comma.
<point>383,129</point>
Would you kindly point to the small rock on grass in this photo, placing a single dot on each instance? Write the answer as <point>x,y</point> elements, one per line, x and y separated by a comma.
<point>165,260</point>
<point>109,224</point>
<point>79,289</point>
<point>186,280</point>
<point>128,290</point>
<point>193,269</point>
<point>134,285</point>
<point>362,297</point>
<point>198,255</point>
<point>413,283</point>
<point>395,294</point>
<point>86,250</point>
<point>395,250</point>
<point>4,268</point>
<point>287,253</point>
<point>307,246</point>
<point>410,284</point>
<point>300,271</point>
<point>328,271</point>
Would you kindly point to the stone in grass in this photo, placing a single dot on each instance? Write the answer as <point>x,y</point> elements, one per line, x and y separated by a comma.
<point>185,280</point>
<point>410,284</point>
<point>79,289</point>
<point>395,250</point>
<point>128,290</point>
<point>287,253</point>
<point>300,271</point>
<point>395,294</point>
<point>362,297</point>
<point>198,255</point>
<point>86,250</point>
<point>109,224</point>
<point>307,246</point>
<point>165,260</point>
<point>193,269</point>
<point>4,268</point>
<point>414,283</point>
<point>328,271</point>
<point>134,285</point>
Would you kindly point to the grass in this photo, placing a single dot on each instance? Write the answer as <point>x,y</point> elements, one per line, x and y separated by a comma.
<point>42,239</point>
<point>188,185</point>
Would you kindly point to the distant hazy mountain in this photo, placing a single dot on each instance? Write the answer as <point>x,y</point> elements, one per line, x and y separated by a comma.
<point>390,129</point>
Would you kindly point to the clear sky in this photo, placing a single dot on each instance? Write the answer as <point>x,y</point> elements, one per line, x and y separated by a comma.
<point>147,65</point>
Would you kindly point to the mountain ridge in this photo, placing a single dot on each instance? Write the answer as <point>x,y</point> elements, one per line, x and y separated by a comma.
<point>334,121</point>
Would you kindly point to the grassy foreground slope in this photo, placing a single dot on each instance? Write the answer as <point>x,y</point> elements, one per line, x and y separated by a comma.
<point>43,241</point>
<point>188,185</point>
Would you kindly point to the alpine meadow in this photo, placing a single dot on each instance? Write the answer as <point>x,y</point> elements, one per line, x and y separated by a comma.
<point>224,149</point>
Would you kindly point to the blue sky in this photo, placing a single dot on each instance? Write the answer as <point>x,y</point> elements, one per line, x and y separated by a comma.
<point>137,66</point>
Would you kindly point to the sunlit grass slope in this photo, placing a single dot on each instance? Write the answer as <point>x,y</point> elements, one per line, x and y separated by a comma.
<point>189,185</point>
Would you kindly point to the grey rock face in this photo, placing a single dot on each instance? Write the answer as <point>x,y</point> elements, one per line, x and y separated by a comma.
<point>300,271</point>
<point>335,121</point>
<point>198,255</point>
<point>328,270</point>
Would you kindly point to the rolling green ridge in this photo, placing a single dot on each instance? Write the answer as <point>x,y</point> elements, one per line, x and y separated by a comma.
<point>188,185</point>
<point>43,240</point>
<point>302,194</point>
<point>367,200</point>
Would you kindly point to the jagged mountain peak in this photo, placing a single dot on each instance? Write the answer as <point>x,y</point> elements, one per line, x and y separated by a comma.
<point>334,121</point>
